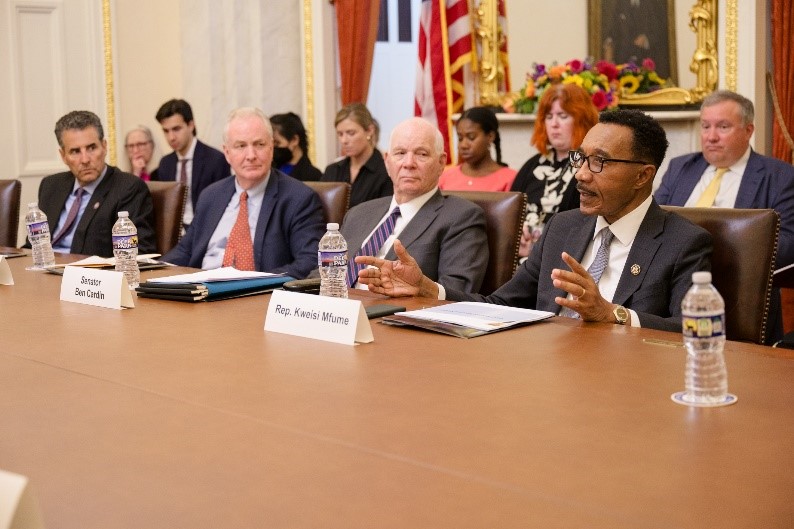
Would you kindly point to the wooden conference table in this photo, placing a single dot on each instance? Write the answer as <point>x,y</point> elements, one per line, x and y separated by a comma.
<point>191,416</point>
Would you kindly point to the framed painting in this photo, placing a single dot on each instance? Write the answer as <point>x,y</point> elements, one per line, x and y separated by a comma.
<point>621,31</point>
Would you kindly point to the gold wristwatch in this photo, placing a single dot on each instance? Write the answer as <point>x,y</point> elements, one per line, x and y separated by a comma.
<point>621,315</point>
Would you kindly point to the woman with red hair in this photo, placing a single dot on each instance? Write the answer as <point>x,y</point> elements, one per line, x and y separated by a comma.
<point>565,114</point>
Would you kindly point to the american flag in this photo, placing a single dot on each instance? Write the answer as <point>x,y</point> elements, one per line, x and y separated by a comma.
<point>446,47</point>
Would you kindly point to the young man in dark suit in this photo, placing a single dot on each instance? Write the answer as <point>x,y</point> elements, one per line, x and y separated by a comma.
<point>82,204</point>
<point>646,255</point>
<point>192,162</point>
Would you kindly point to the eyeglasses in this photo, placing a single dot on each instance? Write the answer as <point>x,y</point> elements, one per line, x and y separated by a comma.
<point>595,162</point>
<point>133,146</point>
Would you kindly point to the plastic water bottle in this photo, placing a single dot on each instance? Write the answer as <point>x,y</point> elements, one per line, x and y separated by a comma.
<point>39,237</point>
<point>706,379</point>
<point>125,249</point>
<point>332,260</point>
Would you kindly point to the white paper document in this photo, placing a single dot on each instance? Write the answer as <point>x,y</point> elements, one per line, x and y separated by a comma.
<point>100,262</point>
<point>480,316</point>
<point>227,273</point>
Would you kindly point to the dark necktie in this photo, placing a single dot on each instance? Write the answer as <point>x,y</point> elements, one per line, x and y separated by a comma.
<point>70,217</point>
<point>596,269</point>
<point>183,171</point>
<point>239,248</point>
<point>373,245</point>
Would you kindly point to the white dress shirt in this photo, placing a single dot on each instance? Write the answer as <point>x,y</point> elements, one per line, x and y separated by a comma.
<point>729,187</point>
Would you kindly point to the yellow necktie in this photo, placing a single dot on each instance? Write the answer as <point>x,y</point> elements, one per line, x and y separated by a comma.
<point>706,200</point>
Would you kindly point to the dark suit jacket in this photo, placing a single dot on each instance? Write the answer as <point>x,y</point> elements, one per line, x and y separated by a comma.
<point>305,171</point>
<point>287,234</point>
<point>372,181</point>
<point>118,191</point>
<point>766,183</point>
<point>446,237</point>
<point>668,248</point>
<point>209,165</point>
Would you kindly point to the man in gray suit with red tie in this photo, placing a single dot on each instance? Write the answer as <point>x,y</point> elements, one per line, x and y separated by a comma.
<point>192,162</point>
<point>82,204</point>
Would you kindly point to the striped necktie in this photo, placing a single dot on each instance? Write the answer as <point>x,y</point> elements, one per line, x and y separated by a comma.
<point>373,245</point>
<point>70,217</point>
<point>596,269</point>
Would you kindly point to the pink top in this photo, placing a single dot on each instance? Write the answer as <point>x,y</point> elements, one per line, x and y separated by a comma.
<point>453,179</point>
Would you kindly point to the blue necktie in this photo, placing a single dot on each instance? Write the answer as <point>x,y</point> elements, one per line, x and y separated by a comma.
<point>596,269</point>
<point>373,245</point>
<point>68,223</point>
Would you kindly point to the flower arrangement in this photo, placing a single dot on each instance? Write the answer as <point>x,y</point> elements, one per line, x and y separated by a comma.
<point>604,81</point>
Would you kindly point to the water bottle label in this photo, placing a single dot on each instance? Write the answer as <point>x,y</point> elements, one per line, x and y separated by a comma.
<point>38,228</point>
<point>704,326</point>
<point>331,259</point>
<point>125,242</point>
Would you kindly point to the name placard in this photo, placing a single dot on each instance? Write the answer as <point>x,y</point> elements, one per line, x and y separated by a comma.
<point>5,272</point>
<point>101,288</point>
<point>336,320</point>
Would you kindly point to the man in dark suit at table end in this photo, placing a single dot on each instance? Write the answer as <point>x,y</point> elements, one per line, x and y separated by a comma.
<point>82,204</point>
<point>258,219</point>
<point>445,234</point>
<point>619,258</point>
<point>195,163</point>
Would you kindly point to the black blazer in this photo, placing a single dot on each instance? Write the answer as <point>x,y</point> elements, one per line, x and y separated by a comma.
<point>209,166</point>
<point>118,191</point>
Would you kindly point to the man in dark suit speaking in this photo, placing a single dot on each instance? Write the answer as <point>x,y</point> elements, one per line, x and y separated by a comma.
<point>619,258</point>
<point>194,163</point>
<point>82,204</point>
<point>446,235</point>
<point>258,219</point>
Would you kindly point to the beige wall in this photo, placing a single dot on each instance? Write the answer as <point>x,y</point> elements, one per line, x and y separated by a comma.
<point>148,66</point>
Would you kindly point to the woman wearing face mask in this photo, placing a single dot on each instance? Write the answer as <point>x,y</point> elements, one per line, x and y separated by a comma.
<point>478,129</point>
<point>362,166</point>
<point>565,114</point>
<point>290,146</point>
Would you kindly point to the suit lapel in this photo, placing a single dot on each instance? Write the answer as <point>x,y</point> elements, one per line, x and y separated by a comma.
<point>215,212</point>
<point>423,218</point>
<point>689,179</point>
<point>198,171</point>
<point>94,203</point>
<point>750,183</point>
<point>371,216</point>
<point>62,191</point>
<point>269,202</point>
<point>575,244</point>
<point>646,244</point>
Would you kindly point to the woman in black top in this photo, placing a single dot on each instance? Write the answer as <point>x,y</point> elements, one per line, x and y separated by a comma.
<point>362,165</point>
<point>565,114</point>
<point>290,148</point>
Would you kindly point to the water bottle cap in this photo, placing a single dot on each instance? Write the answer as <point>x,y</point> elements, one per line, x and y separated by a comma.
<point>32,205</point>
<point>124,214</point>
<point>332,226</point>
<point>701,277</point>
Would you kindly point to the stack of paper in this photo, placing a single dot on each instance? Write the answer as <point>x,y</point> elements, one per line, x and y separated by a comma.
<point>211,285</point>
<point>468,319</point>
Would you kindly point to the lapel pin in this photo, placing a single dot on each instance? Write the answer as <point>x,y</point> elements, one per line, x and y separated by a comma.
<point>96,206</point>
<point>635,269</point>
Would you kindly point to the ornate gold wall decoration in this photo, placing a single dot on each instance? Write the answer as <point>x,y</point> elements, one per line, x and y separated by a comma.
<point>487,65</point>
<point>308,75</point>
<point>110,104</point>
<point>731,43</point>
<point>703,21</point>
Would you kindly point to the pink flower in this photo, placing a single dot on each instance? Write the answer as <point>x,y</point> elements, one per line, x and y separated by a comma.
<point>600,100</point>
<point>648,64</point>
<point>576,65</point>
<point>607,68</point>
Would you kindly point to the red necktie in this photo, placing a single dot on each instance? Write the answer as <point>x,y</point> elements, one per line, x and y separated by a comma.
<point>239,248</point>
<point>70,217</point>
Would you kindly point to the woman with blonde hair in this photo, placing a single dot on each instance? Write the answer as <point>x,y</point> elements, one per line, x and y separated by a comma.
<point>362,166</point>
<point>565,114</point>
